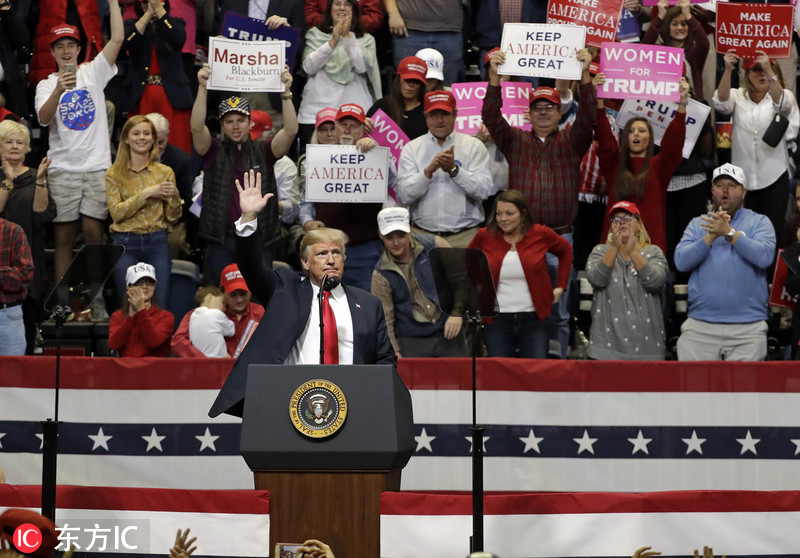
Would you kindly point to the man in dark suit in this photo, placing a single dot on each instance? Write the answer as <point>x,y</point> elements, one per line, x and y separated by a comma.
<point>288,332</point>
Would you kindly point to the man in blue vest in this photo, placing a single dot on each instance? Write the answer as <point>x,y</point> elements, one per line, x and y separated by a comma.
<point>403,281</point>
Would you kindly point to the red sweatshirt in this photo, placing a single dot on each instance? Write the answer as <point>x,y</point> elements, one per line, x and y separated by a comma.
<point>662,167</point>
<point>146,333</point>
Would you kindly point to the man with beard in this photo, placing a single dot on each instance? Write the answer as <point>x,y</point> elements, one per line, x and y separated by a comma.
<point>727,252</point>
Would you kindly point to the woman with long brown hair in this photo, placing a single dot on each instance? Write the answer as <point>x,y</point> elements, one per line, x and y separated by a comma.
<point>675,27</point>
<point>631,170</point>
<point>143,202</point>
<point>404,103</point>
<point>516,248</point>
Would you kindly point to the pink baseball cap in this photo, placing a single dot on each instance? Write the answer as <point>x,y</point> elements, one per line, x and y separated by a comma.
<point>325,115</point>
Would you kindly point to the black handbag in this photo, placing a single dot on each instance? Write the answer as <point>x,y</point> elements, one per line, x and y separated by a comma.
<point>776,129</point>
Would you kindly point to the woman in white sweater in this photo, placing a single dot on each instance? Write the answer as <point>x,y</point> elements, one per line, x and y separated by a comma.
<point>341,63</point>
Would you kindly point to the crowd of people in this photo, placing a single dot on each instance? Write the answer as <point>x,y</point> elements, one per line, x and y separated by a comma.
<point>571,195</point>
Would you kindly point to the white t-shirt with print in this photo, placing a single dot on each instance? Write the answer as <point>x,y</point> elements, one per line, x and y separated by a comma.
<point>79,139</point>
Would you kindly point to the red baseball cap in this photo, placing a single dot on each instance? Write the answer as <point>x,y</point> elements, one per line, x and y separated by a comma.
<point>545,94</point>
<point>488,56</point>
<point>325,115</point>
<point>625,206</point>
<point>232,280</point>
<point>260,122</point>
<point>64,30</point>
<point>352,110</point>
<point>413,68</point>
<point>439,100</point>
<point>13,518</point>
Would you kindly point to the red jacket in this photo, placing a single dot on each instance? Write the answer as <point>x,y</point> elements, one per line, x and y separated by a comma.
<point>371,13</point>
<point>182,346</point>
<point>52,13</point>
<point>532,249</point>
<point>146,333</point>
<point>662,166</point>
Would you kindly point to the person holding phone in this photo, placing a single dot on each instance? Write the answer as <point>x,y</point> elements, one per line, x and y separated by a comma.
<point>72,105</point>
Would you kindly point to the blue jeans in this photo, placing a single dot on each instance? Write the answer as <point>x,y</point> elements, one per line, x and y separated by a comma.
<point>558,322</point>
<point>519,334</point>
<point>149,248</point>
<point>451,45</point>
<point>12,331</point>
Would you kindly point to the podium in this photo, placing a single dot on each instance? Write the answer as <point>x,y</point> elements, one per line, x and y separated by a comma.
<point>327,487</point>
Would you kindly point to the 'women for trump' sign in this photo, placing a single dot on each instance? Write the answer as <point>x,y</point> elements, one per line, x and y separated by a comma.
<point>635,71</point>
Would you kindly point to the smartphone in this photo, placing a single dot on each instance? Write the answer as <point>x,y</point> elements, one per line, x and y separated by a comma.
<point>70,68</point>
<point>287,550</point>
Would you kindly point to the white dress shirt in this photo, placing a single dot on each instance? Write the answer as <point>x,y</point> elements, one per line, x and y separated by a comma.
<point>306,349</point>
<point>441,203</point>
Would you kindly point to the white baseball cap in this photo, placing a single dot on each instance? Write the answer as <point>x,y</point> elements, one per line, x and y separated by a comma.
<point>435,61</point>
<point>394,219</point>
<point>731,171</point>
<point>139,270</point>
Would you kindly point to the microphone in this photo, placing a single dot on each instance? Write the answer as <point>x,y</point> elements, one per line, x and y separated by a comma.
<point>329,282</point>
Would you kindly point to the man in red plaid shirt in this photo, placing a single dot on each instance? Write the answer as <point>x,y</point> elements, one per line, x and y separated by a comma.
<point>16,274</point>
<point>544,164</point>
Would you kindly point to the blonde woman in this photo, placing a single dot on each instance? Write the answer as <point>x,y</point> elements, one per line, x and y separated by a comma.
<point>627,274</point>
<point>144,202</point>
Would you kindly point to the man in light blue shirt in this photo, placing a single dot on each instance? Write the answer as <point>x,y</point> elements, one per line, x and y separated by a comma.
<point>443,176</point>
<point>727,252</point>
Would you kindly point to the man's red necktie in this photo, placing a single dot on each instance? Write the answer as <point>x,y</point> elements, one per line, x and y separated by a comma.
<point>331,336</point>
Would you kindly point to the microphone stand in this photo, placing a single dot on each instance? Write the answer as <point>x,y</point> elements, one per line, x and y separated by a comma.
<point>329,282</point>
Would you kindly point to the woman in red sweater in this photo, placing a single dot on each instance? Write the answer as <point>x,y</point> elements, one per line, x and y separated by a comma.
<point>516,250</point>
<point>631,171</point>
<point>140,328</point>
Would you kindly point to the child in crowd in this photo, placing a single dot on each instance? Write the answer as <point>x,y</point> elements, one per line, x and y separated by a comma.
<point>208,324</point>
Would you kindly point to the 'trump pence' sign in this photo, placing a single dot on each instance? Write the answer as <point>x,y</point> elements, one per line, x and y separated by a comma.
<point>342,173</point>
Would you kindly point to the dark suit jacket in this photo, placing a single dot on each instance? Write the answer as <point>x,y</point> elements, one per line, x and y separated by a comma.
<point>288,301</point>
<point>169,40</point>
